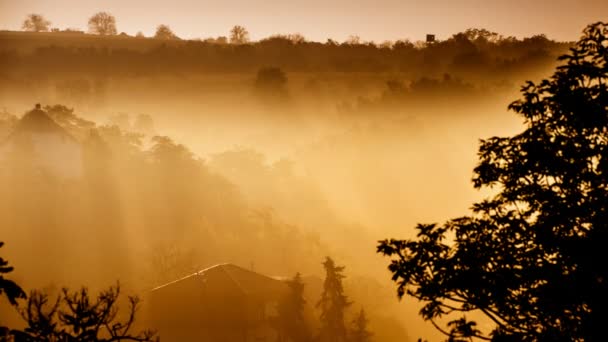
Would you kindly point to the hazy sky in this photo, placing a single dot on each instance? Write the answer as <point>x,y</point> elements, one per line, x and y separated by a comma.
<point>321,19</point>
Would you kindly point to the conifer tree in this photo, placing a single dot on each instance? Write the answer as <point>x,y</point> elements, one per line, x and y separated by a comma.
<point>292,323</point>
<point>360,332</point>
<point>333,303</point>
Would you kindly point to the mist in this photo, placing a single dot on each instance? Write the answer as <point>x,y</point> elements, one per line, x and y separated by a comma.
<point>150,160</point>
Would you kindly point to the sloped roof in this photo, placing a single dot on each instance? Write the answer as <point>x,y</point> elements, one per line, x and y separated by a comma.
<point>38,121</point>
<point>229,278</point>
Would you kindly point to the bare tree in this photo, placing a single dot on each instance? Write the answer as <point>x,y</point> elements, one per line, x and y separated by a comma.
<point>35,23</point>
<point>102,23</point>
<point>75,316</point>
<point>239,35</point>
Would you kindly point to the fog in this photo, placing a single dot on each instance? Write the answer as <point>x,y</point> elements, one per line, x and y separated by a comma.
<point>157,165</point>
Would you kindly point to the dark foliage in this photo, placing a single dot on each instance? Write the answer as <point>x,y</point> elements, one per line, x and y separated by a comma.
<point>333,303</point>
<point>271,82</point>
<point>530,258</point>
<point>360,331</point>
<point>9,288</point>
<point>463,55</point>
<point>75,316</point>
<point>291,322</point>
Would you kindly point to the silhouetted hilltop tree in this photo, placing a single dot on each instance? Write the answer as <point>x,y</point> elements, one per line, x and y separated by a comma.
<point>102,23</point>
<point>36,23</point>
<point>360,332</point>
<point>239,35</point>
<point>291,322</point>
<point>527,258</point>
<point>353,40</point>
<point>482,35</point>
<point>164,32</point>
<point>333,303</point>
<point>75,316</point>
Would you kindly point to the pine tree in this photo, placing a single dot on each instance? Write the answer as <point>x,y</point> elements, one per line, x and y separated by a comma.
<point>333,303</point>
<point>292,324</point>
<point>360,332</point>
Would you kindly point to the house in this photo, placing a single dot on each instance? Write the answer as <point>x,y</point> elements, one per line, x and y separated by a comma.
<point>41,143</point>
<point>223,303</point>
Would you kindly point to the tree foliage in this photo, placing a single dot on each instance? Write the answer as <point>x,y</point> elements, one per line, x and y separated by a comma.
<point>271,81</point>
<point>75,316</point>
<point>239,35</point>
<point>530,258</point>
<point>292,323</point>
<point>36,23</point>
<point>360,331</point>
<point>164,32</point>
<point>102,23</point>
<point>333,303</point>
<point>9,288</point>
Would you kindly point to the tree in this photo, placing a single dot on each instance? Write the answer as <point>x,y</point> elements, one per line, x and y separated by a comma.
<point>35,23</point>
<point>74,316</point>
<point>9,288</point>
<point>333,303</point>
<point>528,258</point>
<point>102,23</point>
<point>353,40</point>
<point>291,320</point>
<point>271,81</point>
<point>164,32</point>
<point>239,35</point>
<point>482,35</point>
<point>360,332</point>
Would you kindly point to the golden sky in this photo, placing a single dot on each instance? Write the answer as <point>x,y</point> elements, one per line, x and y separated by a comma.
<point>376,20</point>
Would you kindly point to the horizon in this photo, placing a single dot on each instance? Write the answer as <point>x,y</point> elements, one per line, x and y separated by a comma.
<point>393,21</point>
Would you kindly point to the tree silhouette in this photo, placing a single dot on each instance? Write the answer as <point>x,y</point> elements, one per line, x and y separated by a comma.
<point>333,303</point>
<point>35,23</point>
<point>164,32</point>
<point>74,316</point>
<point>9,288</point>
<point>360,332</point>
<point>291,313</point>
<point>239,35</point>
<point>102,23</point>
<point>528,258</point>
<point>271,81</point>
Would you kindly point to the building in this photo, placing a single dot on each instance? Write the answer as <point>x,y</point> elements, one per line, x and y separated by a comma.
<point>41,143</point>
<point>223,303</point>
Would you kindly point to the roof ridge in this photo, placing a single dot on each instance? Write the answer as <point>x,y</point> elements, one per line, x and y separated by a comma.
<point>239,285</point>
<point>197,273</point>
